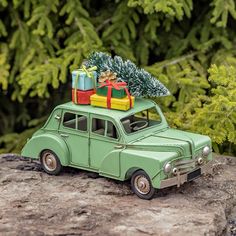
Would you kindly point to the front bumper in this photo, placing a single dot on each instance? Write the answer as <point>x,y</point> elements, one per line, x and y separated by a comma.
<point>181,179</point>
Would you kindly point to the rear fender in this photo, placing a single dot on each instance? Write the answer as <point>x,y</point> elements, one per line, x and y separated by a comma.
<point>34,147</point>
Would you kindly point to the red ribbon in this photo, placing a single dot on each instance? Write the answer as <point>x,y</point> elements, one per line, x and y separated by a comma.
<point>117,86</point>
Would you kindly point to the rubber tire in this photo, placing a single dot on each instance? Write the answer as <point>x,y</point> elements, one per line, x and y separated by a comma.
<point>152,191</point>
<point>58,168</point>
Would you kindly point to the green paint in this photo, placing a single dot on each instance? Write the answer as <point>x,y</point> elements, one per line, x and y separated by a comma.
<point>148,149</point>
<point>77,142</point>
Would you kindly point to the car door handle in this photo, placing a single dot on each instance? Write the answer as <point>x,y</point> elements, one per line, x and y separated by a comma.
<point>119,146</point>
<point>64,135</point>
<point>57,117</point>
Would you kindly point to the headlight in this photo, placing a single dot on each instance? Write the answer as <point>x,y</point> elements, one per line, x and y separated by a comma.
<point>175,171</point>
<point>206,151</point>
<point>200,160</point>
<point>167,167</point>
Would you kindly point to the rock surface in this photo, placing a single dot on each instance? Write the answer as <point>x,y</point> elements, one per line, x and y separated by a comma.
<point>82,203</point>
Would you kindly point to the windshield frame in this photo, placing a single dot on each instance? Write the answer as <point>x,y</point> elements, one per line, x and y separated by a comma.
<point>163,124</point>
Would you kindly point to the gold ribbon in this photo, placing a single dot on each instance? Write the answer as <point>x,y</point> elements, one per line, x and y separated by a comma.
<point>89,74</point>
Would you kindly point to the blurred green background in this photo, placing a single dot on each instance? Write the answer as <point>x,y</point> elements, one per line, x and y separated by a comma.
<point>190,46</point>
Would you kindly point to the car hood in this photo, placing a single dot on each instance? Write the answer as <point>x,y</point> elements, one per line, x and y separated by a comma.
<point>184,142</point>
<point>197,140</point>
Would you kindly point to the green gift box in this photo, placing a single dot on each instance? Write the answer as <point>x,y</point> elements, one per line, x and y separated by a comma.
<point>118,89</point>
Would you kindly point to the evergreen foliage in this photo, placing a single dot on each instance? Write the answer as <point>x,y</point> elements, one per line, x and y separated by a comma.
<point>140,82</point>
<point>220,110</point>
<point>189,46</point>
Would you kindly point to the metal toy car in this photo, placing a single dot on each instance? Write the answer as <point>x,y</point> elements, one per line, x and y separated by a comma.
<point>120,145</point>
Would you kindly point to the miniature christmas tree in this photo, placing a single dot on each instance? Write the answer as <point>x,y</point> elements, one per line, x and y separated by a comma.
<point>140,82</point>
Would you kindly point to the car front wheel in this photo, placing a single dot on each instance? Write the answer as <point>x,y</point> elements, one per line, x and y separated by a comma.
<point>50,162</point>
<point>141,185</point>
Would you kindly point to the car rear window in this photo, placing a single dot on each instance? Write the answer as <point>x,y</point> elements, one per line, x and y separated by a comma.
<point>73,121</point>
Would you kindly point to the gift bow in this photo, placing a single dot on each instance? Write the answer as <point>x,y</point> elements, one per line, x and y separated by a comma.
<point>89,74</point>
<point>88,71</point>
<point>116,86</point>
<point>107,75</point>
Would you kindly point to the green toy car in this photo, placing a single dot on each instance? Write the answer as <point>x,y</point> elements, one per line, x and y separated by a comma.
<point>137,144</point>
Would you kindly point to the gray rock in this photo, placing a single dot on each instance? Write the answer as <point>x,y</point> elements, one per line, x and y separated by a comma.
<point>80,203</point>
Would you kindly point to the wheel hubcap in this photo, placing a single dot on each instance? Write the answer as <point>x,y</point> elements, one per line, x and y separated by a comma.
<point>142,184</point>
<point>49,161</point>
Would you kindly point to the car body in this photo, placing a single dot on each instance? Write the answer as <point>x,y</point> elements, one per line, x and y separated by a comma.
<point>121,145</point>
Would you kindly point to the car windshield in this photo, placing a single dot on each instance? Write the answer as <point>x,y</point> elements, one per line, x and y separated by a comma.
<point>141,120</point>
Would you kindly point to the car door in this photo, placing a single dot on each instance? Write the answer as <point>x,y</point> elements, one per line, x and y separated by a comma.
<point>104,146</point>
<point>73,129</point>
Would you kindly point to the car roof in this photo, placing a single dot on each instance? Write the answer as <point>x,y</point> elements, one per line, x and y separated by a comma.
<point>139,105</point>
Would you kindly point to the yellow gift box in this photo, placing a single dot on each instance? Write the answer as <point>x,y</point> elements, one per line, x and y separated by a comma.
<point>115,103</point>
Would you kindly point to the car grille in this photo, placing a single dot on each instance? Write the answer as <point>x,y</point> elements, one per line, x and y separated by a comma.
<point>184,166</point>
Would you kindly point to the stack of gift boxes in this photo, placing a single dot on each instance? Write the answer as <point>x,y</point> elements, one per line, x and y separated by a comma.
<point>84,82</point>
<point>104,91</point>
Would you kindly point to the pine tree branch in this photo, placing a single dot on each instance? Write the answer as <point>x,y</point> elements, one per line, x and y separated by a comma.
<point>177,60</point>
<point>103,24</point>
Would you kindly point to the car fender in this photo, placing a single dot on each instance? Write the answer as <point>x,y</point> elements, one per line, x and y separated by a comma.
<point>150,161</point>
<point>110,165</point>
<point>34,147</point>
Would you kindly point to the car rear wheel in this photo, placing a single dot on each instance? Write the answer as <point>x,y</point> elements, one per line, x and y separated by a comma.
<point>50,162</point>
<point>141,185</point>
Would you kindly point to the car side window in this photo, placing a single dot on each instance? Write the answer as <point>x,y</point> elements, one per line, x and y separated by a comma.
<point>104,128</point>
<point>98,126</point>
<point>69,120</point>
<point>82,122</point>
<point>73,121</point>
<point>111,130</point>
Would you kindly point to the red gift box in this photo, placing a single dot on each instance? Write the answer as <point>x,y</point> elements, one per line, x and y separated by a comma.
<point>82,97</point>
